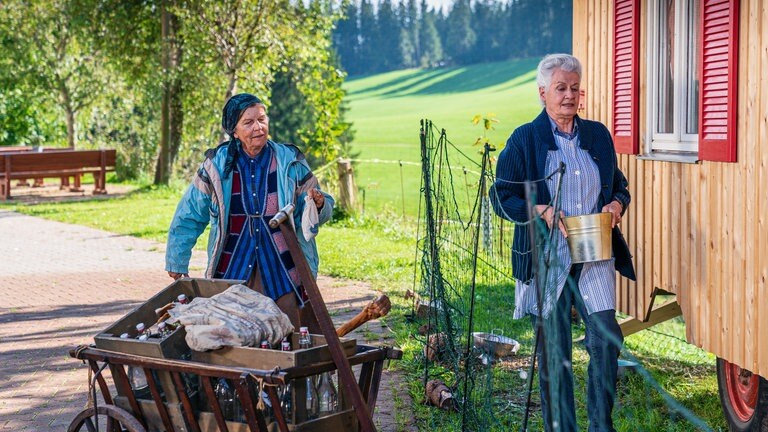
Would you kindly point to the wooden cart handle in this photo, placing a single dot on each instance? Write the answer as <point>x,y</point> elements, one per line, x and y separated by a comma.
<point>346,376</point>
<point>375,309</point>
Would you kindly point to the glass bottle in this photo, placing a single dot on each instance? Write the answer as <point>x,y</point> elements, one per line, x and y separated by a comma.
<point>182,299</point>
<point>162,329</point>
<point>305,340</point>
<point>313,400</point>
<point>286,402</point>
<point>327,395</point>
<point>225,395</point>
<point>137,378</point>
<point>141,329</point>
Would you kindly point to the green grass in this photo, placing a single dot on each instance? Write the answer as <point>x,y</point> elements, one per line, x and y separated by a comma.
<point>386,110</point>
<point>379,247</point>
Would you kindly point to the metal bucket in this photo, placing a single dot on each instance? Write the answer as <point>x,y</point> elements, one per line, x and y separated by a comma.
<point>589,237</point>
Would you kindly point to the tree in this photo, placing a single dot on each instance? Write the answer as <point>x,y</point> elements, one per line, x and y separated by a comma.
<point>389,40</point>
<point>370,60</point>
<point>430,47</point>
<point>487,24</point>
<point>172,112</point>
<point>409,29</point>
<point>346,39</point>
<point>47,50</point>
<point>460,37</point>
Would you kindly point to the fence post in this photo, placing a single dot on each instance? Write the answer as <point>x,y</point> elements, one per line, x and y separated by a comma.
<point>347,188</point>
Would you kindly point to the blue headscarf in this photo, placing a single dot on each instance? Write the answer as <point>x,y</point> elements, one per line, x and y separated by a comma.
<point>233,109</point>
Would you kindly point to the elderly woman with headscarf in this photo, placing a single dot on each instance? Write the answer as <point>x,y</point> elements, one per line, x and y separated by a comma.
<point>238,188</point>
<point>590,183</point>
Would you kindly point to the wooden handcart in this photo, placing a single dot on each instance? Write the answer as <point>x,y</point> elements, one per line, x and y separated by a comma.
<point>173,401</point>
<point>174,406</point>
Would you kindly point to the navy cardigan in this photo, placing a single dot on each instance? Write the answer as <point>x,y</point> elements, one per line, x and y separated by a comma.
<point>525,157</point>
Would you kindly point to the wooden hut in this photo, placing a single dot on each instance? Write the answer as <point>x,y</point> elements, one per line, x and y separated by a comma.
<point>683,85</point>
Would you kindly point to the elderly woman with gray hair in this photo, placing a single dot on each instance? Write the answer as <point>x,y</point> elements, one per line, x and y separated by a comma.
<point>590,183</point>
<point>238,188</point>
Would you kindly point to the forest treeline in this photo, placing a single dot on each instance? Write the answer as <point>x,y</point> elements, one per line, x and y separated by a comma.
<point>375,37</point>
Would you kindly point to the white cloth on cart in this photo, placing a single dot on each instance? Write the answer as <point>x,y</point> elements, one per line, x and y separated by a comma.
<point>238,316</point>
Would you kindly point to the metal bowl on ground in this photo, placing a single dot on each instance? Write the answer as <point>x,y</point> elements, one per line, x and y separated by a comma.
<point>495,344</point>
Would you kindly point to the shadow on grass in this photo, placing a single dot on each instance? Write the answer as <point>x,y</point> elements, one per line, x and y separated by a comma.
<point>453,79</point>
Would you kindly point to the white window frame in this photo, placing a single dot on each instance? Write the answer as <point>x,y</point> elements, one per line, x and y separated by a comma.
<point>678,143</point>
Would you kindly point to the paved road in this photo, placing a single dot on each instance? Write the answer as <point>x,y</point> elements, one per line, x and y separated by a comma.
<point>60,284</point>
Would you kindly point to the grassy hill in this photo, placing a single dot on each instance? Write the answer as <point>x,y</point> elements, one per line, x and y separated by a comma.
<point>386,110</point>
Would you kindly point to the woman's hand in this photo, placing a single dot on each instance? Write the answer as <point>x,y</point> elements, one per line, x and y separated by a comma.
<point>175,275</point>
<point>548,214</point>
<point>317,197</point>
<point>614,208</point>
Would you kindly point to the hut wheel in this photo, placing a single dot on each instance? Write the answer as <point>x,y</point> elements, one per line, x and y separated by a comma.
<point>116,418</point>
<point>744,397</point>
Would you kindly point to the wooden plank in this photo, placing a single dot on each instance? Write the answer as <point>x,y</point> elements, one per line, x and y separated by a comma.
<point>659,314</point>
<point>604,55</point>
<point>650,231</point>
<point>761,155</point>
<point>657,225</point>
<point>665,222</point>
<point>726,275</point>
<point>630,229</point>
<point>705,235</point>
<point>637,223</point>
<point>580,32</point>
<point>747,119</point>
<point>715,265</point>
<point>675,228</point>
<point>685,228</point>
<point>267,359</point>
<point>724,282</point>
<point>594,88</point>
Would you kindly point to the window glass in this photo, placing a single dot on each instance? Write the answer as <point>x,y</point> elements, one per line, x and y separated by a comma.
<point>666,65</point>
<point>673,88</point>
<point>692,89</point>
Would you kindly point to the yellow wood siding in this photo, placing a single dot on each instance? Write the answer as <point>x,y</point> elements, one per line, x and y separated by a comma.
<point>697,230</point>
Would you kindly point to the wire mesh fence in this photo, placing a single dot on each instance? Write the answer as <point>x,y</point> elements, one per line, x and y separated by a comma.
<point>478,361</point>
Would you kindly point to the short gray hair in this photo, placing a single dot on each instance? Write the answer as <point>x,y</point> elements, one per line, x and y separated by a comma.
<point>550,62</point>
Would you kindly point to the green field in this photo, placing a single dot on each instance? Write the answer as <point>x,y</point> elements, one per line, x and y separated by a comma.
<point>386,111</point>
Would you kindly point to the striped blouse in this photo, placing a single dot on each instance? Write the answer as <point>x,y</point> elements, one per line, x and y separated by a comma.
<point>580,190</point>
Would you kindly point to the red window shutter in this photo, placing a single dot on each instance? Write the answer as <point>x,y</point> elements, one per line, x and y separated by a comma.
<point>718,63</point>
<point>626,76</point>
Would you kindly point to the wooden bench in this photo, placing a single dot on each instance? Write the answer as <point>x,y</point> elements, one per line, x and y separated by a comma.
<point>56,163</point>
<point>39,180</point>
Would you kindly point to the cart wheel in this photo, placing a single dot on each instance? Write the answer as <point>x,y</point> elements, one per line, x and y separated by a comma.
<point>744,397</point>
<point>118,420</point>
